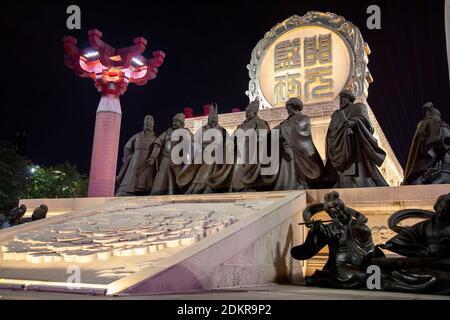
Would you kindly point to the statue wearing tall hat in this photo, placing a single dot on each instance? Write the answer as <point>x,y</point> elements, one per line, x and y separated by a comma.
<point>165,180</point>
<point>301,166</point>
<point>429,154</point>
<point>353,154</point>
<point>136,175</point>
<point>243,174</point>
<point>209,145</point>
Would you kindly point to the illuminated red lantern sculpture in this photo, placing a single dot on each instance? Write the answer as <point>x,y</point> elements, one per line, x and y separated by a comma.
<point>112,70</point>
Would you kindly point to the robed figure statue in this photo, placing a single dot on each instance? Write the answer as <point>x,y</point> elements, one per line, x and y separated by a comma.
<point>352,151</point>
<point>300,163</point>
<point>136,175</point>
<point>194,176</point>
<point>429,155</point>
<point>165,180</point>
<point>244,176</point>
<point>425,247</point>
<point>349,241</point>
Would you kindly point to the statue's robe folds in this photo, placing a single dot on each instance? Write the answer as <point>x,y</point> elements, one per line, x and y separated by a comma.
<point>237,177</point>
<point>166,179</point>
<point>429,238</point>
<point>350,247</point>
<point>429,153</point>
<point>426,246</point>
<point>353,154</point>
<point>306,167</point>
<point>194,177</point>
<point>136,176</point>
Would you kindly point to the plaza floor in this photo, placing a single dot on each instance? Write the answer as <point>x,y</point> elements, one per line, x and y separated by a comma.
<point>268,292</point>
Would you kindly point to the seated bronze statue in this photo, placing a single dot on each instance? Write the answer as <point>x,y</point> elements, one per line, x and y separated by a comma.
<point>349,240</point>
<point>425,247</point>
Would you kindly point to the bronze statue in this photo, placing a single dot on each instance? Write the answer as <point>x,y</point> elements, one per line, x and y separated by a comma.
<point>242,177</point>
<point>39,212</point>
<point>353,153</point>
<point>136,175</point>
<point>425,247</point>
<point>15,216</point>
<point>429,155</point>
<point>349,241</point>
<point>193,176</point>
<point>300,163</point>
<point>165,180</point>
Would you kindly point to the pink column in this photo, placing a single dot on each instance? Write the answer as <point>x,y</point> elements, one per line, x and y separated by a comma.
<point>105,148</point>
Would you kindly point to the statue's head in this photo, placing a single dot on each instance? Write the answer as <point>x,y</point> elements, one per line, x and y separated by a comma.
<point>335,207</point>
<point>346,98</point>
<point>294,105</point>
<point>23,207</point>
<point>148,123</point>
<point>213,117</point>
<point>178,121</point>
<point>252,110</point>
<point>442,207</point>
<point>431,111</point>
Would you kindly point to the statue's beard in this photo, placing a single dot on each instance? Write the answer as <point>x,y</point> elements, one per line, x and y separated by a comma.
<point>337,212</point>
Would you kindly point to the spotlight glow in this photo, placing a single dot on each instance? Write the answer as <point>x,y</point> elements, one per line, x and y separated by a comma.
<point>91,54</point>
<point>137,61</point>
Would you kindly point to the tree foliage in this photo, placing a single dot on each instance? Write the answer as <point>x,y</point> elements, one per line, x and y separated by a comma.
<point>61,181</point>
<point>20,179</point>
<point>13,176</point>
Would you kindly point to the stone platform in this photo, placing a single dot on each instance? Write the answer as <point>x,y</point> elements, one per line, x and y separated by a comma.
<point>158,244</point>
<point>256,293</point>
<point>174,244</point>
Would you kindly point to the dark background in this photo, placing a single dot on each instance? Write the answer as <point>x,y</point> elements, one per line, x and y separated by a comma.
<point>207,46</point>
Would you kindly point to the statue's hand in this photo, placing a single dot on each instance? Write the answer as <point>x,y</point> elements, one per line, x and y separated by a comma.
<point>316,226</point>
<point>349,123</point>
<point>150,161</point>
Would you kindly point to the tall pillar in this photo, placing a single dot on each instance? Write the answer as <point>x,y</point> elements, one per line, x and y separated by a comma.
<point>105,148</point>
<point>112,71</point>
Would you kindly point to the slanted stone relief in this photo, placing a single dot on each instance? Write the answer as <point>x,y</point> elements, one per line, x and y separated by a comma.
<point>134,229</point>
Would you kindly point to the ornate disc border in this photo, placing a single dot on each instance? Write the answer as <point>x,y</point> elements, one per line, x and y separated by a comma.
<point>359,77</point>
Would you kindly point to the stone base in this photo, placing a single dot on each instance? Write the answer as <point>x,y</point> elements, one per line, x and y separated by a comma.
<point>252,249</point>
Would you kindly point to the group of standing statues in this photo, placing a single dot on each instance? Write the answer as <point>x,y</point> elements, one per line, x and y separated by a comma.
<point>352,155</point>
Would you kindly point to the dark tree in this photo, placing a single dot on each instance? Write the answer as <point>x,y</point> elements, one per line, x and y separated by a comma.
<point>13,176</point>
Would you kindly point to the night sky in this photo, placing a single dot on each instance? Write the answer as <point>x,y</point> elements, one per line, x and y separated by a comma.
<point>207,46</point>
